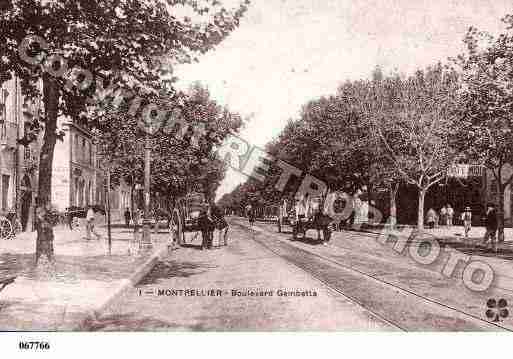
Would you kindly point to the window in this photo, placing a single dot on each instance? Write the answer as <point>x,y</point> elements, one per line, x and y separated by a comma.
<point>5,191</point>
<point>27,155</point>
<point>83,152</point>
<point>77,148</point>
<point>3,111</point>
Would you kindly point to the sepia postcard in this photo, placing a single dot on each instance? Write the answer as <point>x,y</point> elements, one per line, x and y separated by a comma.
<point>255,166</point>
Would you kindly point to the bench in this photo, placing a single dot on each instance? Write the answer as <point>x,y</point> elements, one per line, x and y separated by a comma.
<point>5,281</point>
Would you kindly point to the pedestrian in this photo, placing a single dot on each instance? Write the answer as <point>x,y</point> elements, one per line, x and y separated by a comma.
<point>220,223</point>
<point>491,225</point>
<point>466,217</point>
<point>207,227</point>
<point>302,209</point>
<point>443,216</point>
<point>136,219</point>
<point>431,218</point>
<point>250,213</point>
<point>128,217</point>
<point>450,215</point>
<point>69,218</point>
<point>90,224</point>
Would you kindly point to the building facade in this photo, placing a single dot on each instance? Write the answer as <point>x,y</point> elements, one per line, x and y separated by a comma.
<point>78,177</point>
<point>18,163</point>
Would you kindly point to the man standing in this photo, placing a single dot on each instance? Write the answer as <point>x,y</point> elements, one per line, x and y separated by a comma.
<point>206,225</point>
<point>127,218</point>
<point>466,217</point>
<point>443,216</point>
<point>250,213</point>
<point>220,223</point>
<point>491,225</point>
<point>450,215</point>
<point>90,225</point>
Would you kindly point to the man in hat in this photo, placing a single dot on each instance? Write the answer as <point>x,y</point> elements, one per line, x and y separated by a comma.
<point>491,225</point>
<point>206,225</point>
<point>466,217</point>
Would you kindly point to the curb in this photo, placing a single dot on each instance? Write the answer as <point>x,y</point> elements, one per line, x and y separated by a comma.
<point>125,285</point>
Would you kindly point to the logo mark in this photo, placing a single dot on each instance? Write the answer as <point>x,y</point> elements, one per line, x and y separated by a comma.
<point>497,309</point>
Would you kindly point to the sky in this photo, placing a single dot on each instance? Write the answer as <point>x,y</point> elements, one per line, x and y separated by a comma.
<point>287,52</point>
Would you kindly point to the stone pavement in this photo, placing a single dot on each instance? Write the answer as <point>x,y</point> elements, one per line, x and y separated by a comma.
<point>453,238</point>
<point>83,278</point>
<point>361,252</point>
<point>241,266</point>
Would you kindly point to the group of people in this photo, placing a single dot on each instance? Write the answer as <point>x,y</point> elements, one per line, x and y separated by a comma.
<point>210,219</point>
<point>136,217</point>
<point>445,217</point>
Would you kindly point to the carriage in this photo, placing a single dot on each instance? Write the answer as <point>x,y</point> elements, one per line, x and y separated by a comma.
<point>285,214</point>
<point>184,217</point>
<point>317,221</point>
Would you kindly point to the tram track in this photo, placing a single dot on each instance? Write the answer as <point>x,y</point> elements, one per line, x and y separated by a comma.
<point>354,284</point>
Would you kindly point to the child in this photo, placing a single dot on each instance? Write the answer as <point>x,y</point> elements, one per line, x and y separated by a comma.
<point>466,217</point>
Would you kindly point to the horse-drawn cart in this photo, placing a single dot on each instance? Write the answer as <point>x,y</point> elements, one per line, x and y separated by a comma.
<point>285,214</point>
<point>315,219</point>
<point>185,216</point>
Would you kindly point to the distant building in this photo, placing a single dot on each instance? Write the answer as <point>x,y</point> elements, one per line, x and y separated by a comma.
<point>75,169</point>
<point>78,179</point>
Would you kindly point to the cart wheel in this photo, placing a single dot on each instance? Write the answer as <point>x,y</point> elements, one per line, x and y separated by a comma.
<point>5,228</point>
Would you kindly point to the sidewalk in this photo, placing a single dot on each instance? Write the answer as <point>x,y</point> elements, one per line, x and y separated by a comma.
<point>452,238</point>
<point>84,278</point>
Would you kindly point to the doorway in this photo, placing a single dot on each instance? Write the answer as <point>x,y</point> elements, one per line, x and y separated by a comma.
<point>26,201</point>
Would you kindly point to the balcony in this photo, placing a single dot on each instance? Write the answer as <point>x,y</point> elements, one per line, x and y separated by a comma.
<point>8,135</point>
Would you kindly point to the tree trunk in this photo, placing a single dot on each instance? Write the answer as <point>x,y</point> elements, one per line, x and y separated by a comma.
<point>393,204</point>
<point>420,217</point>
<point>500,212</point>
<point>370,192</point>
<point>44,242</point>
<point>132,198</point>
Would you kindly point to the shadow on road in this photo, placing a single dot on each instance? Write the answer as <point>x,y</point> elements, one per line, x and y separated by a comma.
<point>471,247</point>
<point>173,269</point>
<point>132,322</point>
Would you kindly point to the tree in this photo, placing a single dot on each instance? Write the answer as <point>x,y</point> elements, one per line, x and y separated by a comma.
<point>121,41</point>
<point>415,127</point>
<point>178,164</point>
<point>486,120</point>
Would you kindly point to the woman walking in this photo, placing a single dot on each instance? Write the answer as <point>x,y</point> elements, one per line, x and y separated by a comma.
<point>431,218</point>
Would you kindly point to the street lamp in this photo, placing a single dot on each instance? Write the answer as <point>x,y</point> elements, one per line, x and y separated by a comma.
<point>146,238</point>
